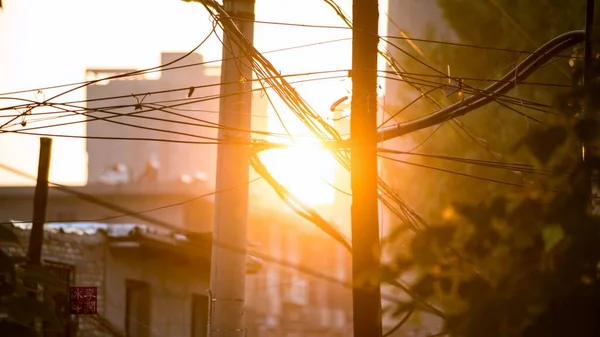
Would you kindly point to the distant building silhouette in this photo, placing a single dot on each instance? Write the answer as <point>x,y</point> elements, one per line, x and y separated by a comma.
<point>173,120</point>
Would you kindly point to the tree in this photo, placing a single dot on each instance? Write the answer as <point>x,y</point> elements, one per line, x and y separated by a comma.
<point>495,127</point>
<point>18,310</point>
<point>522,264</point>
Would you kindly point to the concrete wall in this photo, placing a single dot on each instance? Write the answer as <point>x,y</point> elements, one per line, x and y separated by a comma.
<point>172,283</point>
<point>324,309</point>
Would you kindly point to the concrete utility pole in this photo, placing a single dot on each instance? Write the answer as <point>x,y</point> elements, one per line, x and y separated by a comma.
<point>228,267</point>
<point>40,201</point>
<point>363,135</point>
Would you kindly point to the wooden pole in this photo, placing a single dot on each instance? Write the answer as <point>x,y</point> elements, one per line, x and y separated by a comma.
<point>363,134</point>
<point>590,156</point>
<point>40,201</point>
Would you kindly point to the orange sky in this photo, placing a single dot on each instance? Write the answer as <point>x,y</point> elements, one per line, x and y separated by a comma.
<point>48,43</point>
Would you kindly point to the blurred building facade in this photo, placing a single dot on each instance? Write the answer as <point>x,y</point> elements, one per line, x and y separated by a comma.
<point>297,283</point>
<point>179,124</point>
<point>302,285</point>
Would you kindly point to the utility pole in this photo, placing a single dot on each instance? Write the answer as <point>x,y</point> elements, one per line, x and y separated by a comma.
<point>40,201</point>
<point>366,248</point>
<point>590,157</point>
<point>228,267</point>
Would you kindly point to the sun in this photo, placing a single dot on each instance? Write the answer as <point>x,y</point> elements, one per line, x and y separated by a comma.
<point>306,170</point>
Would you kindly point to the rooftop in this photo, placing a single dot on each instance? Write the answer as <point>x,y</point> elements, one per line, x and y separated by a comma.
<point>132,189</point>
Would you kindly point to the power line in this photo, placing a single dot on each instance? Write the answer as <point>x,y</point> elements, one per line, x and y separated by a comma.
<point>526,168</point>
<point>173,68</point>
<point>138,114</point>
<point>135,112</point>
<point>498,98</point>
<point>31,103</point>
<point>268,258</point>
<point>316,124</point>
<point>463,78</point>
<point>394,37</point>
<point>454,121</point>
<point>522,71</point>
<point>452,172</point>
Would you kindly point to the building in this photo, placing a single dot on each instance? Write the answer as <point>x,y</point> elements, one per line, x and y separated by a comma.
<point>308,295</point>
<point>300,288</point>
<point>164,109</point>
<point>149,282</point>
<point>154,111</point>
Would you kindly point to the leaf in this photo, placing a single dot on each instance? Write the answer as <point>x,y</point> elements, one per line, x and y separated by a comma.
<point>570,103</point>
<point>424,244</point>
<point>478,214</point>
<point>7,274</point>
<point>543,142</point>
<point>7,234</point>
<point>586,129</point>
<point>24,310</point>
<point>401,308</point>
<point>422,252</point>
<point>12,329</point>
<point>44,277</point>
<point>552,236</point>
<point>191,92</point>
<point>424,287</point>
<point>474,289</point>
<point>497,207</point>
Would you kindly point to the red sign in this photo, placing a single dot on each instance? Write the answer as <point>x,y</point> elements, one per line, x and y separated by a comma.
<point>83,300</point>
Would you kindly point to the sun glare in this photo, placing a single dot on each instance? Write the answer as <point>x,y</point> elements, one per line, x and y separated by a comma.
<point>306,170</point>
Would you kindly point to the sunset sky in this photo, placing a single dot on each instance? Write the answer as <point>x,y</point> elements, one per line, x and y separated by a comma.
<point>52,43</point>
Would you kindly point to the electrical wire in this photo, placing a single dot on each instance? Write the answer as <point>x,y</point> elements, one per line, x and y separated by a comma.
<point>400,323</point>
<point>176,229</point>
<point>135,113</point>
<point>455,44</point>
<point>452,172</point>
<point>176,67</point>
<point>525,168</point>
<point>133,73</point>
<point>30,104</point>
<point>522,71</point>
<point>298,206</point>
<point>455,122</point>
<point>393,64</point>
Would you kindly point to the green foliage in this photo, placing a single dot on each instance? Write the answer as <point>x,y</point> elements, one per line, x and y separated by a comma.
<point>522,264</point>
<point>16,281</point>
<point>512,25</point>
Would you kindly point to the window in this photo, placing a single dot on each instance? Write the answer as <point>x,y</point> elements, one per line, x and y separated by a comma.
<point>199,316</point>
<point>137,309</point>
<point>64,273</point>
